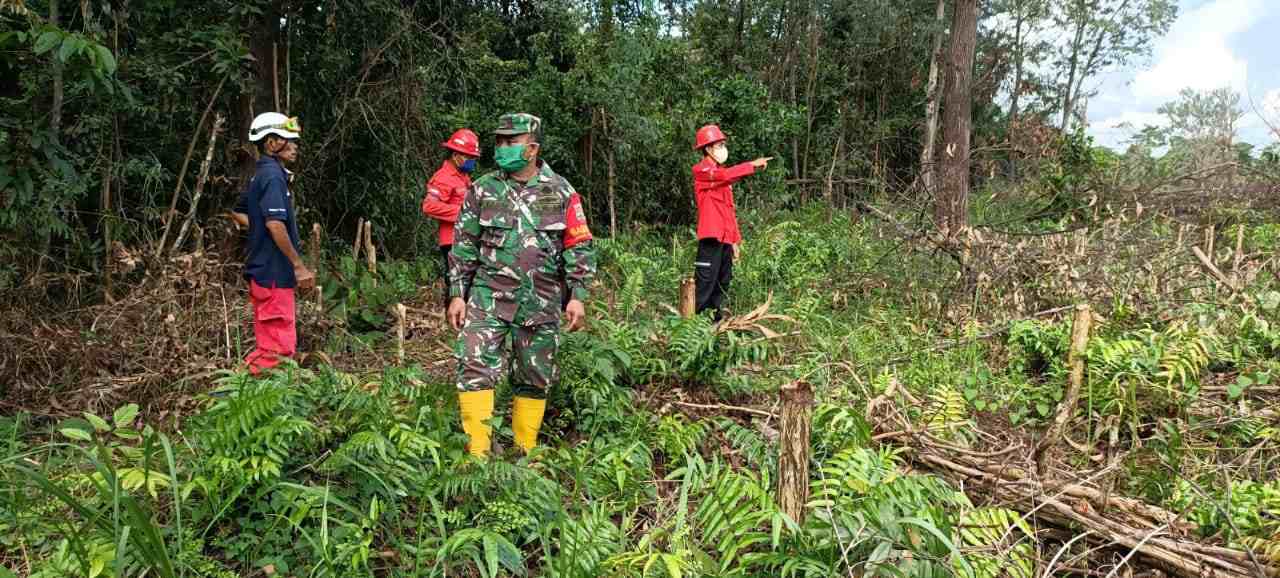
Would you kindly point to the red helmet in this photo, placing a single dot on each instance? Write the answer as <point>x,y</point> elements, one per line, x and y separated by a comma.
<point>463,141</point>
<point>708,135</point>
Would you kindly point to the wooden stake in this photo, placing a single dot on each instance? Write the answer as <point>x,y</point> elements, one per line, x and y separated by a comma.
<point>315,248</point>
<point>1239,254</point>
<point>793,457</point>
<point>400,325</point>
<point>1208,242</point>
<point>359,242</point>
<point>1075,381</point>
<point>370,254</point>
<point>688,298</point>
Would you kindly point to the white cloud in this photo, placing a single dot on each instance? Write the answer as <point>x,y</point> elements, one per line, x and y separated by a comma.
<point>1114,132</point>
<point>1196,53</point>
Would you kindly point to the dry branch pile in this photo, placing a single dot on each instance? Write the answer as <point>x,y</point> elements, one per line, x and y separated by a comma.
<point>182,322</point>
<point>1071,501</point>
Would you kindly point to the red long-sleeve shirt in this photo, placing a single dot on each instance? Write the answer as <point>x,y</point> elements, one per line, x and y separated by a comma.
<point>713,190</point>
<point>445,192</point>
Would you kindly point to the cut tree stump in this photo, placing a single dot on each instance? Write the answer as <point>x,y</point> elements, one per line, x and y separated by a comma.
<point>793,456</point>
<point>688,298</point>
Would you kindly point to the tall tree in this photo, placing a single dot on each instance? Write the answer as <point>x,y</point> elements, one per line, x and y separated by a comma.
<point>1105,34</point>
<point>1028,16</point>
<point>931,114</point>
<point>1203,124</point>
<point>951,207</point>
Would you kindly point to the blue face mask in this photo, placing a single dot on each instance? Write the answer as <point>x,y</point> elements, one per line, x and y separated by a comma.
<point>468,166</point>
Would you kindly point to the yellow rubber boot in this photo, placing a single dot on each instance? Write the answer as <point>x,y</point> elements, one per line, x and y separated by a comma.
<point>526,420</point>
<point>476,408</point>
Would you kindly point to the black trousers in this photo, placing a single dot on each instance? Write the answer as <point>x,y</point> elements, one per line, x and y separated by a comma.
<point>713,269</point>
<point>444,255</point>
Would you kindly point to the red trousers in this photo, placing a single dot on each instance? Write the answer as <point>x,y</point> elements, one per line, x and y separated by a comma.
<point>274,326</point>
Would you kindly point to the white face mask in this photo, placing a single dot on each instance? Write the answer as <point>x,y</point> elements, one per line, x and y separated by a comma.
<point>720,153</point>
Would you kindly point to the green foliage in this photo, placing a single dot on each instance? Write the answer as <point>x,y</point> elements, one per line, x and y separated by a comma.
<point>1006,538</point>
<point>362,300</point>
<point>1244,511</point>
<point>252,428</point>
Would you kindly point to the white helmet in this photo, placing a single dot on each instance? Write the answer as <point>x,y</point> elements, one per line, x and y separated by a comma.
<point>274,123</point>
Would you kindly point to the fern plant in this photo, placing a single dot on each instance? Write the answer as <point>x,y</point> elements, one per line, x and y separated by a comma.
<point>946,413</point>
<point>1002,543</point>
<point>578,547</point>
<point>868,517</point>
<point>252,428</point>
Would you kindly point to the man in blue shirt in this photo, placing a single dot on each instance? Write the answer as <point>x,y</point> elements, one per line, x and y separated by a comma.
<point>274,268</point>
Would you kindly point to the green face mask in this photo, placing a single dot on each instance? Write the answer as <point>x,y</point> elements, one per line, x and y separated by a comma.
<point>510,158</point>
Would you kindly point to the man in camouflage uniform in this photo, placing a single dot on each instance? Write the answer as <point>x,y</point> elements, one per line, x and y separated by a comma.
<point>520,243</point>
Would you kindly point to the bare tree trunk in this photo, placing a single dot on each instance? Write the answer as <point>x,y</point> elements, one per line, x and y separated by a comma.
<point>793,458</point>
<point>262,95</point>
<point>609,167</point>
<point>1068,97</point>
<point>931,115</point>
<point>55,108</point>
<point>1017,82</point>
<point>951,207</point>
<point>104,202</point>
<point>738,28</point>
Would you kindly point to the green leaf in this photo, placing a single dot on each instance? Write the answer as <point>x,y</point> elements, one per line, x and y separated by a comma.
<point>98,423</point>
<point>1043,409</point>
<point>673,565</point>
<point>47,41</point>
<point>76,434</point>
<point>123,416</point>
<point>490,556</point>
<point>106,60</point>
<point>1237,388</point>
<point>71,45</point>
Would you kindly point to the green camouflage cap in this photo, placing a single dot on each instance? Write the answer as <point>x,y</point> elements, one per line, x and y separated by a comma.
<point>518,123</point>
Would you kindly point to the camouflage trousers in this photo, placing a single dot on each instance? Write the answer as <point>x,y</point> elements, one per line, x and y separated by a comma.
<point>488,345</point>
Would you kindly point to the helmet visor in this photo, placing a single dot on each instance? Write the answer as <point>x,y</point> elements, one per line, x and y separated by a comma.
<point>290,125</point>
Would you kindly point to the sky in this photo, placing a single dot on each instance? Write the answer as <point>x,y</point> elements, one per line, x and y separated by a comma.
<point>1213,43</point>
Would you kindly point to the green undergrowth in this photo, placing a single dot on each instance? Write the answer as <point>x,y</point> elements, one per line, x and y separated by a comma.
<point>315,472</point>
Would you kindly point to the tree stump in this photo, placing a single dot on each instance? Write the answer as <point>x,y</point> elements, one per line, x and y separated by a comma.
<point>688,298</point>
<point>793,456</point>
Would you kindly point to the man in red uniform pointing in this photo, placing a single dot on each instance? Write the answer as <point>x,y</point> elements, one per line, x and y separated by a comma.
<point>718,234</point>
<point>448,187</point>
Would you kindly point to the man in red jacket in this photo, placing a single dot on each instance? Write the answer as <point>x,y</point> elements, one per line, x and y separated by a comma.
<point>448,187</point>
<point>718,234</point>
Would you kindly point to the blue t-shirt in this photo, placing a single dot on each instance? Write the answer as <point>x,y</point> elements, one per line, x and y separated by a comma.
<point>267,198</point>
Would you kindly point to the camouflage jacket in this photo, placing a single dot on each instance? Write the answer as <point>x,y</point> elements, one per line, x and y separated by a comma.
<point>518,246</point>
